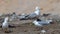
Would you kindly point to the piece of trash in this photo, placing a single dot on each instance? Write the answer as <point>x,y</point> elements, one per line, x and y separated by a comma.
<point>43,31</point>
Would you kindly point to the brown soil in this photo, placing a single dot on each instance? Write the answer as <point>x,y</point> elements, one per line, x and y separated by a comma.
<point>26,27</point>
<point>28,6</point>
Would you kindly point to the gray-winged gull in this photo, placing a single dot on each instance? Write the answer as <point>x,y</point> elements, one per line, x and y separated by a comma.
<point>39,22</point>
<point>5,25</point>
<point>13,17</point>
<point>35,14</point>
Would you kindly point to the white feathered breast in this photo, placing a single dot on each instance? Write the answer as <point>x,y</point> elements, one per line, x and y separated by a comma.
<point>5,23</point>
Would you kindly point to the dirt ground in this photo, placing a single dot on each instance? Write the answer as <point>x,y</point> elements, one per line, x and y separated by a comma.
<point>28,6</point>
<point>27,27</point>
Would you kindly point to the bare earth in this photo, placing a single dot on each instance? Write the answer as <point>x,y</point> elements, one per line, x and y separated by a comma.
<point>26,27</point>
<point>28,6</point>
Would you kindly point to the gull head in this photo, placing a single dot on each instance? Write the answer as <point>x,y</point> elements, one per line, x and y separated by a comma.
<point>36,23</point>
<point>37,8</point>
<point>6,19</point>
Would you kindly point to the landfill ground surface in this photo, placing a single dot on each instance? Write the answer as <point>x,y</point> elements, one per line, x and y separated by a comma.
<point>27,27</point>
<point>28,6</point>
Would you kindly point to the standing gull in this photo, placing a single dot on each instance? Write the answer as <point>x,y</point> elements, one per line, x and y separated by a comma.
<point>35,14</point>
<point>5,25</point>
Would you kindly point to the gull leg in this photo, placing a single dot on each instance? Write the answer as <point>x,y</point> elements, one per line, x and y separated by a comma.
<point>6,30</point>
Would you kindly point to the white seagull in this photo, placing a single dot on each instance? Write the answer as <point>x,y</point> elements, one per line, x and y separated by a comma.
<point>39,22</point>
<point>35,14</point>
<point>5,25</point>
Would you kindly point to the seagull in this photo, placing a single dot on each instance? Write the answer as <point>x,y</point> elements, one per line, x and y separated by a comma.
<point>5,25</point>
<point>39,22</point>
<point>13,17</point>
<point>36,13</point>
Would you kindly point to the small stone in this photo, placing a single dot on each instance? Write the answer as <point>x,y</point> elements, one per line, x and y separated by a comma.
<point>43,31</point>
